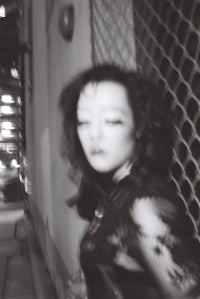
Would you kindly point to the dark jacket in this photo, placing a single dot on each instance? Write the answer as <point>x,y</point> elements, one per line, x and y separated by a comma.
<point>141,245</point>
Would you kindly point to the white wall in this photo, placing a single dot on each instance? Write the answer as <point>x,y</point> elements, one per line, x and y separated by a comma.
<point>55,61</point>
<point>65,60</point>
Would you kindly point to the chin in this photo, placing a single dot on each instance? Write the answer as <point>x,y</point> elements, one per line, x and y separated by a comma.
<point>102,168</point>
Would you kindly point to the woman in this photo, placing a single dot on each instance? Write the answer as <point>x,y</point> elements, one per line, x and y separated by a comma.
<point>118,135</point>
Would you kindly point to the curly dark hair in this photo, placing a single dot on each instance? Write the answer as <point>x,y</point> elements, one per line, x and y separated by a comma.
<point>152,118</point>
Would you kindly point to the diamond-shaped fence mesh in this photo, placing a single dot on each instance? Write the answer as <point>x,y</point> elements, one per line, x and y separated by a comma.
<point>162,39</point>
<point>112,27</point>
<point>168,47</point>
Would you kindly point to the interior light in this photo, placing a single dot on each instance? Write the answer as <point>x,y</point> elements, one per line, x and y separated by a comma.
<point>7,134</point>
<point>9,147</point>
<point>14,163</point>
<point>6,110</point>
<point>2,11</point>
<point>19,101</point>
<point>8,125</point>
<point>7,98</point>
<point>2,166</point>
<point>14,73</point>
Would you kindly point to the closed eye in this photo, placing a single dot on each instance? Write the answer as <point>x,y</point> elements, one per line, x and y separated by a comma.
<point>82,123</point>
<point>114,122</point>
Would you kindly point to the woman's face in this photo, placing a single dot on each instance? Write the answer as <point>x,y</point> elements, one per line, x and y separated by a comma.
<point>105,125</point>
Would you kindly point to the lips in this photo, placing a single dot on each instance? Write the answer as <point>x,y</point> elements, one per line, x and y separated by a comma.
<point>97,151</point>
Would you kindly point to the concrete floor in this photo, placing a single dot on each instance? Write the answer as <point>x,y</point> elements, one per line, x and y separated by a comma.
<point>16,277</point>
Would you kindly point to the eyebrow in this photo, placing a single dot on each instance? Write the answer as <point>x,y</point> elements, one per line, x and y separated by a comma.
<point>103,108</point>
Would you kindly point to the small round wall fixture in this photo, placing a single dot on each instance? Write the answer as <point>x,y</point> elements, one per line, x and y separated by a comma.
<point>66,22</point>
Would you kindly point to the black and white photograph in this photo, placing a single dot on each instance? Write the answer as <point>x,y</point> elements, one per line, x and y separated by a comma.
<point>99,149</point>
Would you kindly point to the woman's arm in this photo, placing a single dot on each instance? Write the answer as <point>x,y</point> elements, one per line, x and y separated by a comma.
<point>168,247</point>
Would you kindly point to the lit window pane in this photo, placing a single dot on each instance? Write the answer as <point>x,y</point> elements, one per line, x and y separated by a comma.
<point>7,99</point>
<point>9,147</point>
<point>8,125</point>
<point>7,110</point>
<point>7,134</point>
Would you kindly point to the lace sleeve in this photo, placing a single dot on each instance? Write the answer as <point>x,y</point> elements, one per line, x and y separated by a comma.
<point>77,286</point>
<point>168,246</point>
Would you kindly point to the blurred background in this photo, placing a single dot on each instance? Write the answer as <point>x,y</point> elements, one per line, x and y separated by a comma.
<point>12,113</point>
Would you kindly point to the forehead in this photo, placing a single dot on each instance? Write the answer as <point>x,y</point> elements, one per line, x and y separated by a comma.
<point>106,93</point>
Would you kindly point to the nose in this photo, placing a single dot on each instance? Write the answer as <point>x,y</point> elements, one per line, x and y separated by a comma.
<point>96,130</point>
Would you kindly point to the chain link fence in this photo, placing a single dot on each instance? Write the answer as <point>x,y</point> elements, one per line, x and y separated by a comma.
<point>112,32</point>
<point>162,39</point>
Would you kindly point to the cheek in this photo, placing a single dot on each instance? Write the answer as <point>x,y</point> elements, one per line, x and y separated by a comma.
<point>83,138</point>
<point>126,144</point>
<point>80,136</point>
<point>123,137</point>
